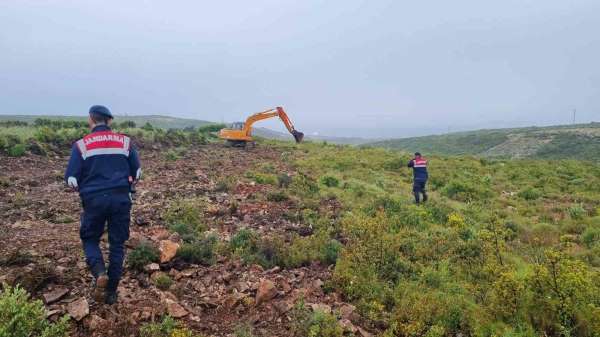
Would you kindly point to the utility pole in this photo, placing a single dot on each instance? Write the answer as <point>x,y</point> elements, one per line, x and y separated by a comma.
<point>574,115</point>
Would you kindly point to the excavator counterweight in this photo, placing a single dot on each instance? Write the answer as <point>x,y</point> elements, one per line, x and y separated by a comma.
<point>243,135</point>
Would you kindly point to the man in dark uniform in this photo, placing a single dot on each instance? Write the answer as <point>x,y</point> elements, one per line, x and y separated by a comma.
<point>103,167</point>
<point>419,166</point>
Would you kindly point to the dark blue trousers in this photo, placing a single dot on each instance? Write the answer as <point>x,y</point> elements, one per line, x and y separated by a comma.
<point>110,208</point>
<point>419,188</point>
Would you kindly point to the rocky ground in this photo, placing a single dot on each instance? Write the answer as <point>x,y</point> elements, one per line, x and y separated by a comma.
<point>41,248</point>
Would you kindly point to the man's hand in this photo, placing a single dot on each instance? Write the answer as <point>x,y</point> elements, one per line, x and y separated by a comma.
<point>72,182</point>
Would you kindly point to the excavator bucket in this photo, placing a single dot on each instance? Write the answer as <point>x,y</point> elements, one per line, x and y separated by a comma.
<point>298,136</point>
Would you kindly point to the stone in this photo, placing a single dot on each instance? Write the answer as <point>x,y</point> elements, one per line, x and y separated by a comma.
<point>167,249</point>
<point>348,326</point>
<point>346,310</point>
<point>55,295</point>
<point>233,300</point>
<point>266,291</point>
<point>94,322</point>
<point>321,307</point>
<point>364,333</point>
<point>285,286</point>
<point>78,309</point>
<point>175,309</point>
<point>283,307</point>
<point>152,267</point>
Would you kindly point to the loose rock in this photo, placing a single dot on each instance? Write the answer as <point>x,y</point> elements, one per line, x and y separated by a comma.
<point>266,291</point>
<point>78,309</point>
<point>55,295</point>
<point>168,249</point>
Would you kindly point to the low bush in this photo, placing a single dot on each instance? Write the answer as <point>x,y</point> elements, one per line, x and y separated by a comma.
<point>17,150</point>
<point>185,231</point>
<point>530,194</point>
<point>168,327</point>
<point>264,178</point>
<point>163,281</point>
<point>330,181</point>
<point>278,196</point>
<point>210,128</point>
<point>200,251</point>
<point>307,323</point>
<point>252,249</point>
<point>463,190</point>
<point>591,236</point>
<point>22,317</point>
<point>142,255</point>
<point>577,212</point>
<point>186,212</point>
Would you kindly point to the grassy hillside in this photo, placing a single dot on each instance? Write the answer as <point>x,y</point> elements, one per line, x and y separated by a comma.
<point>555,142</point>
<point>502,248</point>
<point>164,122</point>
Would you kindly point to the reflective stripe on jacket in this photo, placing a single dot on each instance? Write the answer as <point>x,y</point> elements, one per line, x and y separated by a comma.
<point>103,160</point>
<point>419,166</point>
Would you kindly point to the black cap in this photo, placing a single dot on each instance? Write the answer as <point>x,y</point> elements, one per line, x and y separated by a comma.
<point>417,154</point>
<point>101,110</point>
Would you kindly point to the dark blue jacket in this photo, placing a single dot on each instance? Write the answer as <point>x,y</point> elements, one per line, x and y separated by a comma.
<point>103,161</point>
<point>419,166</point>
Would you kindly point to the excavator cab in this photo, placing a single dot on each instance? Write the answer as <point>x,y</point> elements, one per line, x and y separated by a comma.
<point>240,132</point>
<point>237,126</point>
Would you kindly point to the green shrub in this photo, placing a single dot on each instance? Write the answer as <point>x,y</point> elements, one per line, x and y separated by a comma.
<point>591,236</point>
<point>168,327</point>
<point>211,128</point>
<point>277,196</point>
<point>22,317</point>
<point>187,232</point>
<point>243,330</point>
<point>188,212</point>
<point>530,193</point>
<point>314,324</point>
<point>330,181</point>
<point>172,155</point>
<point>17,150</point>
<point>142,255</point>
<point>302,184</point>
<point>252,249</point>
<point>148,127</point>
<point>463,190</point>
<point>200,251</point>
<point>163,281</point>
<point>265,178</point>
<point>331,251</point>
<point>577,212</point>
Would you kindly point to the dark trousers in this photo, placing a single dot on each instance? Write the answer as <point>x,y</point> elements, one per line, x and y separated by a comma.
<point>111,208</point>
<point>419,188</point>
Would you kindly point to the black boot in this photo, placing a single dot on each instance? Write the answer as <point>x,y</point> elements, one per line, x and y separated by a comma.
<point>424,196</point>
<point>111,297</point>
<point>417,201</point>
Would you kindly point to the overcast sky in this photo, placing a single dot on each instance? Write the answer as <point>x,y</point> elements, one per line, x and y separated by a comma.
<point>352,68</point>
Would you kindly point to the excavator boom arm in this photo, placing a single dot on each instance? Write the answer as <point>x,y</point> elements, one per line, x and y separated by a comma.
<point>277,112</point>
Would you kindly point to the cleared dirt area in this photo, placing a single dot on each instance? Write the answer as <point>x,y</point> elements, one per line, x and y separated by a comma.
<point>41,250</point>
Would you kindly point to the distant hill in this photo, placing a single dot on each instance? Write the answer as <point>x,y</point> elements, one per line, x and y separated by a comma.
<point>580,141</point>
<point>270,134</point>
<point>165,122</point>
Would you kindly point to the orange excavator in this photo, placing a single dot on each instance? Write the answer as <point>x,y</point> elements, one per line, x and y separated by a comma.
<point>240,133</point>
